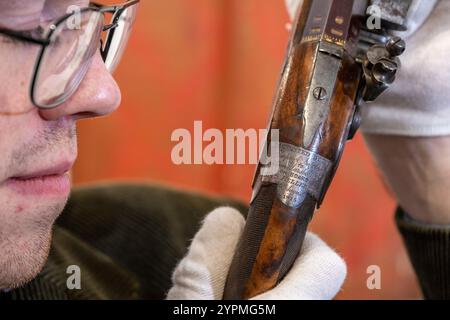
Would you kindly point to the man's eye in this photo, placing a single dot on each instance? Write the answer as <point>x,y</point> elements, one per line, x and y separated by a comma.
<point>36,33</point>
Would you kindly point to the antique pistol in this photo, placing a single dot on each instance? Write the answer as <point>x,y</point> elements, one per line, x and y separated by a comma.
<point>336,59</point>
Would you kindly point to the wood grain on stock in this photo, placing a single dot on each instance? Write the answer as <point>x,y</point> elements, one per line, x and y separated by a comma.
<point>274,232</point>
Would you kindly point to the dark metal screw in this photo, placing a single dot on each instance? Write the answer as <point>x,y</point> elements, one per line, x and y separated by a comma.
<point>320,93</point>
<point>384,71</point>
<point>396,46</point>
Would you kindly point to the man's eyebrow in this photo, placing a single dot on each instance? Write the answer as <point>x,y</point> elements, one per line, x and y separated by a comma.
<point>19,15</point>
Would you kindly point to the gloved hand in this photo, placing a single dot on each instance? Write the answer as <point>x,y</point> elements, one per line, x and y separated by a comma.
<point>417,103</point>
<point>318,273</point>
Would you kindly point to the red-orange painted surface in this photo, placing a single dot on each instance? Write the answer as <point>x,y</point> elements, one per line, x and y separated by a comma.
<point>218,61</point>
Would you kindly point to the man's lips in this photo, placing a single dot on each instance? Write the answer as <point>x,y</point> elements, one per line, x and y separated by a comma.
<point>51,181</point>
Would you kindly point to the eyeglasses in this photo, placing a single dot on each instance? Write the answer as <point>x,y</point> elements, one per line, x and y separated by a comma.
<point>68,46</point>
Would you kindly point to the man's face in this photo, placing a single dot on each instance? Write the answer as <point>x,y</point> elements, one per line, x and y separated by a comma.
<point>37,147</point>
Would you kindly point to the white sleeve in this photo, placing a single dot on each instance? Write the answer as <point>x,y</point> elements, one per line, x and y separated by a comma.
<point>418,13</point>
<point>418,103</point>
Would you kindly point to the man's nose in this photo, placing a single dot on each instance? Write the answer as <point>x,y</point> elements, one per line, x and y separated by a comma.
<point>98,95</point>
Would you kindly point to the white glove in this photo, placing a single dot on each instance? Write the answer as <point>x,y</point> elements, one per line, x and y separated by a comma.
<point>417,104</point>
<point>317,274</point>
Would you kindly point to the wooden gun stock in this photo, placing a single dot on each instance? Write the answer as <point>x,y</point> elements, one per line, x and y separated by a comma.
<point>313,113</point>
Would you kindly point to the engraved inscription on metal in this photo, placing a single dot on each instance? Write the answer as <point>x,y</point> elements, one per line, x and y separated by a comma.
<point>328,21</point>
<point>301,172</point>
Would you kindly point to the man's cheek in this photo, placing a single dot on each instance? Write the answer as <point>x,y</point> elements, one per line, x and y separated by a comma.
<point>16,78</point>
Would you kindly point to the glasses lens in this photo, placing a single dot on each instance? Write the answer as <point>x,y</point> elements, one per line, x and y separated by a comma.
<point>66,60</point>
<point>119,36</point>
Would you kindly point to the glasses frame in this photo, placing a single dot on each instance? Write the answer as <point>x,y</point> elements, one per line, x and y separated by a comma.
<point>116,10</point>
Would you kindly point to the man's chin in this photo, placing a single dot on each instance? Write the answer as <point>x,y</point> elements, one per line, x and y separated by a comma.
<point>25,240</point>
<point>23,260</point>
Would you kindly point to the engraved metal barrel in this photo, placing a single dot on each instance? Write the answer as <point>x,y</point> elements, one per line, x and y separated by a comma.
<point>313,111</point>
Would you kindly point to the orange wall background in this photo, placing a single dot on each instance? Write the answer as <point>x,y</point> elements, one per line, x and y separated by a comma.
<point>218,61</point>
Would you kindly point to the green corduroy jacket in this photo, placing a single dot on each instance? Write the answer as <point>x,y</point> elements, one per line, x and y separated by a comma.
<point>126,239</point>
